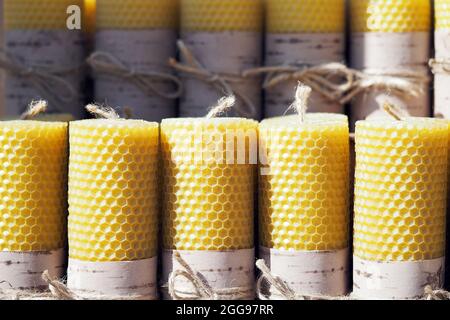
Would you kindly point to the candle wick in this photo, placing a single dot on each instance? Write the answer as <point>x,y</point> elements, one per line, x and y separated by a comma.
<point>300,104</point>
<point>102,112</point>
<point>128,112</point>
<point>34,108</point>
<point>392,110</point>
<point>223,105</point>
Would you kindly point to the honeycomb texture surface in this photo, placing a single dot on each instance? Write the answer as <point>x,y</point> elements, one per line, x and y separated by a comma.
<point>137,14</point>
<point>113,197</point>
<point>304,198</point>
<point>40,15</point>
<point>219,16</point>
<point>207,204</point>
<point>308,16</point>
<point>442,14</point>
<point>400,190</point>
<point>33,184</point>
<point>390,15</point>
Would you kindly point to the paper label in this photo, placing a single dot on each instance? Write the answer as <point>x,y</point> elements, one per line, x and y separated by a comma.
<point>309,272</point>
<point>221,269</point>
<point>23,270</point>
<point>112,280</point>
<point>310,48</point>
<point>140,50</point>
<point>395,280</point>
<point>60,50</point>
<point>227,53</point>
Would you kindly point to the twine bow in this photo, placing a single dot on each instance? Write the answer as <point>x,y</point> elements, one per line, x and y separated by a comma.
<point>221,82</point>
<point>440,65</point>
<point>48,81</point>
<point>104,62</point>
<point>331,80</point>
<point>203,291</point>
<point>402,84</point>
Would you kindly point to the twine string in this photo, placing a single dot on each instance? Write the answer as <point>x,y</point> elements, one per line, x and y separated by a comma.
<point>106,63</point>
<point>102,112</point>
<point>48,81</point>
<point>223,105</point>
<point>203,291</point>
<point>439,65</point>
<point>221,82</point>
<point>392,110</point>
<point>34,108</point>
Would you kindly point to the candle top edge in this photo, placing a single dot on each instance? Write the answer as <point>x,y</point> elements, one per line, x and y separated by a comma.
<point>32,123</point>
<point>231,120</point>
<point>315,119</point>
<point>418,122</point>
<point>116,122</point>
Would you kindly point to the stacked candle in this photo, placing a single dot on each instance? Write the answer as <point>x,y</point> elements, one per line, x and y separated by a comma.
<point>400,200</point>
<point>304,33</point>
<point>44,54</point>
<point>208,202</point>
<point>390,44</point>
<point>304,232</point>
<point>33,184</point>
<point>89,16</point>
<point>225,39</point>
<point>134,40</point>
<point>441,67</point>
<point>113,208</point>
<point>2,107</point>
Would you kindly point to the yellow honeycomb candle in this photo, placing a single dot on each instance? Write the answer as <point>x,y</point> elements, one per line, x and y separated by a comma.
<point>33,180</point>
<point>127,31</point>
<point>404,27</point>
<point>308,32</point>
<point>37,36</point>
<point>113,208</point>
<point>226,39</point>
<point>303,201</point>
<point>208,199</point>
<point>89,15</point>
<point>441,75</point>
<point>400,201</point>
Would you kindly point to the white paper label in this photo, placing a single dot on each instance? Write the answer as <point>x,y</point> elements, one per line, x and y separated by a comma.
<point>140,50</point>
<point>228,53</point>
<point>59,50</point>
<point>395,280</point>
<point>309,272</point>
<point>221,269</point>
<point>23,270</point>
<point>310,48</point>
<point>113,280</point>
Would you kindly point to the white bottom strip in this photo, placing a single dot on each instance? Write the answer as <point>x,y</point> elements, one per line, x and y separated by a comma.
<point>113,280</point>
<point>23,270</point>
<point>220,269</point>
<point>309,272</point>
<point>395,280</point>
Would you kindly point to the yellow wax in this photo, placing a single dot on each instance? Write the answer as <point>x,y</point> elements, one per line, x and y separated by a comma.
<point>33,180</point>
<point>207,205</point>
<point>40,15</point>
<point>442,14</point>
<point>89,15</point>
<point>137,14</point>
<point>400,189</point>
<point>390,15</point>
<point>113,190</point>
<point>305,16</point>
<point>219,16</point>
<point>303,199</point>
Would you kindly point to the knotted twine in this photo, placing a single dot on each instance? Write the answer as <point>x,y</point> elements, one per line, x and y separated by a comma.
<point>203,290</point>
<point>339,83</point>
<point>440,66</point>
<point>224,83</point>
<point>105,63</point>
<point>48,81</point>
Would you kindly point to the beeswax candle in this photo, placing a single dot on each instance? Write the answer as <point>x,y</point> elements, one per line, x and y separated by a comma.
<point>113,208</point>
<point>136,38</point>
<point>89,16</point>
<point>33,179</point>
<point>402,26</point>
<point>442,62</point>
<point>304,33</point>
<point>400,197</point>
<point>208,201</point>
<point>225,38</point>
<point>43,58</point>
<point>303,201</point>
